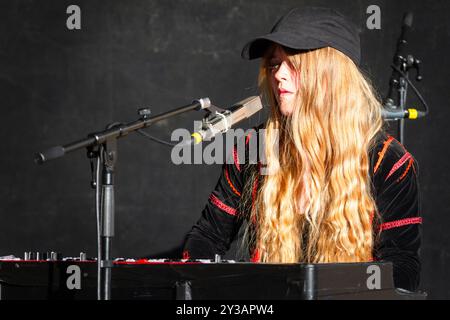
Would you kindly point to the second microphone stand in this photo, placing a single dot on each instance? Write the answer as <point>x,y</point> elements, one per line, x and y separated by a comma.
<point>398,85</point>
<point>400,81</point>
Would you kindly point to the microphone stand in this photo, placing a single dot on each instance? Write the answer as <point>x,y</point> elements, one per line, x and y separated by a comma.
<point>103,147</point>
<point>403,93</point>
<point>400,76</point>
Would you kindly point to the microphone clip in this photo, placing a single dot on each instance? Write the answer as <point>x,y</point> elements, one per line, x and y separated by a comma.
<point>409,63</point>
<point>213,117</point>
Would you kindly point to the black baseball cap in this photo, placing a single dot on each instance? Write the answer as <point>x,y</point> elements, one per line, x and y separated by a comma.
<point>309,28</point>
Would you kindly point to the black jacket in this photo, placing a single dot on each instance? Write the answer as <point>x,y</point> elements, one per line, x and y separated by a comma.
<point>395,190</point>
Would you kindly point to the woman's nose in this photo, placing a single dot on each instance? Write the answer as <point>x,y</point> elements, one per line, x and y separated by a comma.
<point>282,72</point>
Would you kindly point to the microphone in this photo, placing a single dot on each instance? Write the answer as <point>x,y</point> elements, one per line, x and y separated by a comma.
<point>402,114</point>
<point>399,57</point>
<point>220,122</point>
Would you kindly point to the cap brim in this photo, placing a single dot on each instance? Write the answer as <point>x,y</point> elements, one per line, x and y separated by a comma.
<point>258,46</point>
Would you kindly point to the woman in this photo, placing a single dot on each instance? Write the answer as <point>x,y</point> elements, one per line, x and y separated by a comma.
<point>339,189</point>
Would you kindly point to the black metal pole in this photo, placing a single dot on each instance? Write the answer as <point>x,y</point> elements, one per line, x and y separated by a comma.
<point>107,216</point>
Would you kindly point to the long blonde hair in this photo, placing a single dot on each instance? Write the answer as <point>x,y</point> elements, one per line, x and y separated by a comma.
<point>315,205</point>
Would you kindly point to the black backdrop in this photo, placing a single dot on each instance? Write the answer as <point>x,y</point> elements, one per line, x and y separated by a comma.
<point>57,85</point>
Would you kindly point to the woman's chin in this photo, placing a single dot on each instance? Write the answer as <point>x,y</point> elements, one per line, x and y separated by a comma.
<point>286,110</point>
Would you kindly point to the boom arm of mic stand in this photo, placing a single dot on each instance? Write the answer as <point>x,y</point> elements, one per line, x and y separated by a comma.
<point>116,132</point>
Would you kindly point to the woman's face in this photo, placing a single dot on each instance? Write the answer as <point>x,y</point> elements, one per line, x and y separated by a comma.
<point>283,80</point>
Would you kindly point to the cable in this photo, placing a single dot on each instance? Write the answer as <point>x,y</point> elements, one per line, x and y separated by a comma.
<point>97,212</point>
<point>145,134</point>
<point>412,86</point>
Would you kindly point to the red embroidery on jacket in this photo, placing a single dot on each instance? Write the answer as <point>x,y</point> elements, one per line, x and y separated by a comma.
<point>400,223</point>
<point>236,159</point>
<point>247,139</point>
<point>404,149</point>
<point>372,215</point>
<point>255,257</point>
<point>407,169</point>
<point>186,255</point>
<point>230,183</point>
<point>215,201</point>
<point>382,153</point>
<point>398,164</point>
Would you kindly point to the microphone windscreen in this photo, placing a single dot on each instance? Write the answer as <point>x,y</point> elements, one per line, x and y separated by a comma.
<point>408,19</point>
<point>52,153</point>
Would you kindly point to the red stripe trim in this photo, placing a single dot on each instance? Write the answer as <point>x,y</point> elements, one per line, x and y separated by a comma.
<point>407,169</point>
<point>372,215</point>
<point>398,164</point>
<point>236,159</point>
<point>222,206</point>
<point>383,152</point>
<point>255,257</point>
<point>247,139</point>
<point>233,188</point>
<point>403,147</point>
<point>400,223</point>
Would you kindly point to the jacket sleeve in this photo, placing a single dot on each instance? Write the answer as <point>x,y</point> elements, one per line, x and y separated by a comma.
<point>398,226</point>
<point>219,221</point>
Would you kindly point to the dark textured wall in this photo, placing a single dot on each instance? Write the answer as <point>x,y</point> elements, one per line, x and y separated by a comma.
<point>59,85</point>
